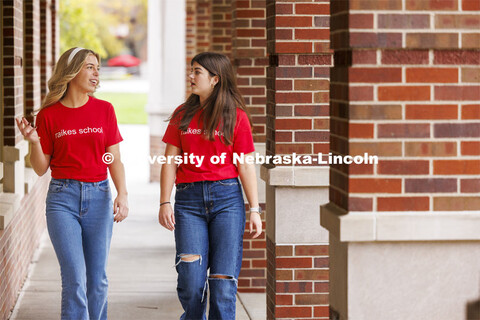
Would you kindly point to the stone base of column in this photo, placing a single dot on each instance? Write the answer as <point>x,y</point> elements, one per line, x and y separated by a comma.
<point>386,265</point>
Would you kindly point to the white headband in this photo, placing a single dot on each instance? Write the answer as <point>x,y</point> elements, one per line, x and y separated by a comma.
<point>73,53</point>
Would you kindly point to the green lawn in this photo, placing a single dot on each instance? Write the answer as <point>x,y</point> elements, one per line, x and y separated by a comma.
<point>129,107</point>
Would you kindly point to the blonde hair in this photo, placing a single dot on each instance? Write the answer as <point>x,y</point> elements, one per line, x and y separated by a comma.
<point>64,72</point>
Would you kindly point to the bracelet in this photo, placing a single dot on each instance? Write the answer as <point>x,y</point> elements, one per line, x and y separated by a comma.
<point>256,209</point>
<point>162,203</point>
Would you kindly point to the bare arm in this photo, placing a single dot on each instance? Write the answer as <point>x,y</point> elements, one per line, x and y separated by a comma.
<point>117,172</point>
<point>167,179</point>
<point>249,181</point>
<point>40,161</point>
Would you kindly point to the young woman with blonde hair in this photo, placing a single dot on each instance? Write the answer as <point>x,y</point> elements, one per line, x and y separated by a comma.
<point>209,216</point>
<point>73,134</point>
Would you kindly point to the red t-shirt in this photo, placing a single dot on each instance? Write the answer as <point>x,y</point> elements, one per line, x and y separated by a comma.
<point>193,142</point>
<point>77,138</point>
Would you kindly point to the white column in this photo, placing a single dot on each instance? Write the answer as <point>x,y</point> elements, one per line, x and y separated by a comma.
<point>166,61</point>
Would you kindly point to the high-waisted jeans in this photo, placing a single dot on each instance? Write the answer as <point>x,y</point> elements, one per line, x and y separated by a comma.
<point>80,222</point>
<point>210,222</point>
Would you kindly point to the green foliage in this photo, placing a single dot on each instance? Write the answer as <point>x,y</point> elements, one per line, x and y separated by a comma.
<point>82,24</point>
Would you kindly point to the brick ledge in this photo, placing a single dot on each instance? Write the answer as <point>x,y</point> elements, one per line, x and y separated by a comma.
<point>295,176</point>
<point>400,226</point>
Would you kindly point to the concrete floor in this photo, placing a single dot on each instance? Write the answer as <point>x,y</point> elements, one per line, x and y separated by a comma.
<point>141,273</point>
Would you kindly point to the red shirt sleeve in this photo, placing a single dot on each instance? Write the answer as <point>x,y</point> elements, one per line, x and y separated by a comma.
<point>44,133</point>
<point>113,134</point>
<point>243,139</point>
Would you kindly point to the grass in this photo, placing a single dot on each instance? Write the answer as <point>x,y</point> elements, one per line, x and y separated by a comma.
<point>129,107</point>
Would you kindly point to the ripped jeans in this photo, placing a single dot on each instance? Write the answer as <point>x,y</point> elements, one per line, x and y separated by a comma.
<point>210,222</point>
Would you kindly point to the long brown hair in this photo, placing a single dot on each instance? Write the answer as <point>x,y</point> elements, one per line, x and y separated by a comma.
<point>220,108</point>
<point>63,73</point>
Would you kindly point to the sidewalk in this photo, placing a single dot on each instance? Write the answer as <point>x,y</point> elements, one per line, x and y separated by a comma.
<point>141,274</point>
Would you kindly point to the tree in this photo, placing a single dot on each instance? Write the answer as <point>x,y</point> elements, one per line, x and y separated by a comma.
<point>82,24</point>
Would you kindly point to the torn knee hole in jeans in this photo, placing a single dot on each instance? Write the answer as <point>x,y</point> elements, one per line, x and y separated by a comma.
<point>186,257</point>
<point>222,277</point>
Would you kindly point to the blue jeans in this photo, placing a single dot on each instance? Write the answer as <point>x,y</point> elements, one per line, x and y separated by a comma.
<point>210,222</point>
<point>80,222</point>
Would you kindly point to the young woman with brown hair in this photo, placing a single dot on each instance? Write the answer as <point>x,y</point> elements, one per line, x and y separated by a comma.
<point>209,215</point>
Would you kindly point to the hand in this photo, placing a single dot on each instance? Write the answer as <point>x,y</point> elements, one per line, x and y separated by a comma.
<point>166,216</point>
<point>255,220</point>
<point>120,208</point>
<point>28,132</point>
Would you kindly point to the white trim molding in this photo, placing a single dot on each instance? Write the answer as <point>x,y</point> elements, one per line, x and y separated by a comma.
<point>400,226</point>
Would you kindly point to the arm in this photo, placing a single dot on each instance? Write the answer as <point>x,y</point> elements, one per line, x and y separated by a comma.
<point>249,181</point>
<point>117,172</point>
<point>167,179</point>
<point>40,161</point>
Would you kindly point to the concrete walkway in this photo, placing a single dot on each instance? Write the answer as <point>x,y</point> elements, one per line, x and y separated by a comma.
<point>141,274</point>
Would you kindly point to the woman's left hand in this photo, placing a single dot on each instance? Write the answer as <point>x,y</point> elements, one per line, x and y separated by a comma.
<point>255,220</point>
<point>120,208</point>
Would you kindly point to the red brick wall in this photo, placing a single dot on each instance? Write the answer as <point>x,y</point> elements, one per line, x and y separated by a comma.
<point>203,25</point>
<point>297,121</point>
<point>27,64</point>
<point>18,243</point>
<point>411,88</point>
<point>48,43</point>
<point>222,26</point>
<point>191,39</point>
<point>12,82</point>
<point>298,77</point>
<point>250,60</point>
<point>300,286</point>
<point>32,58</point>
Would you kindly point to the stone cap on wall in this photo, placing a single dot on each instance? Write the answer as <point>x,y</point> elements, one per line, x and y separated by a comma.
<point>400,226</point>
<point>295,176</point>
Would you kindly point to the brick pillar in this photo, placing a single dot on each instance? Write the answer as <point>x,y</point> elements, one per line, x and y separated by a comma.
<point>222,27</point>
<point>12,81</point>
<point>405,88</point>
<point>297,121</point>
<point>191,40</point>
<point>249,57</point>
<point>46,45</point>
<point>15,148</point>
<point>32,58</point>
<point>203,25</point>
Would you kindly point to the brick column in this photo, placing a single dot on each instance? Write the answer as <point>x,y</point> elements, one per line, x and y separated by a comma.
<point>191,40</point>
<point>12,81</point>
<point>405,88</point>
<point>203,25</point>
<point>249,57</point>
<point>46,45</point>
<point>222,27</point>
<point>297,121</point>
<point>15,148</point>
<point>22,211</point>
<point>32,58</point>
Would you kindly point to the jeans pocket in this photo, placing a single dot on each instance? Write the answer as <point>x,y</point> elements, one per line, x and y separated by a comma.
<point>228,182</point>
<point>56,186</point>
<point>183,186</point>
<point>104,186</point>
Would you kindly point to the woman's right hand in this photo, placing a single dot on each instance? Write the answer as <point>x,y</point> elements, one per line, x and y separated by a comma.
<point>28,132</point>
<point>166,216</point>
